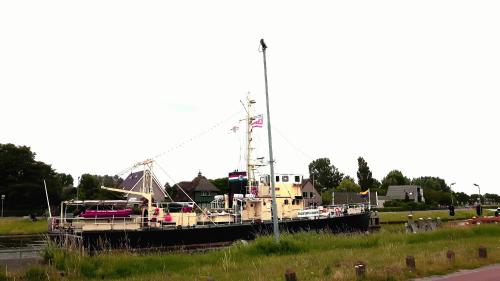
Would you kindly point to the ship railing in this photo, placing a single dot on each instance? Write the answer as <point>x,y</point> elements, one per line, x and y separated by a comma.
<point>114,223</point>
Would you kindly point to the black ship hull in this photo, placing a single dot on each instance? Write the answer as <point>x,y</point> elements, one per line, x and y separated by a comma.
<point>215,235</point>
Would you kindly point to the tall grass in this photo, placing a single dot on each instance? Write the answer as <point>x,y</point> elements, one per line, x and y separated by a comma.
<point>314,256</point>
<point>401,217</point>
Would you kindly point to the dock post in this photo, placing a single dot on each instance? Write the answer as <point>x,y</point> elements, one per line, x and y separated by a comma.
<point>360,268</point>
<point>290,275</point>
<point>410,262</point>
<point>482,252</point>
<point>450,255</point>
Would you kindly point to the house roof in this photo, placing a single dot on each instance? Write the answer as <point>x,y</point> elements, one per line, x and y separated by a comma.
<point>400,191</point>
<point>132,180</point>
<point>199,183</point>
<point>353,197</point>
<point>134,183</point>
<point>307,186</point>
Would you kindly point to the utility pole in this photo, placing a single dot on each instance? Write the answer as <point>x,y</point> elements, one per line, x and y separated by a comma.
<point>271,159</point>
<point>3,198</point>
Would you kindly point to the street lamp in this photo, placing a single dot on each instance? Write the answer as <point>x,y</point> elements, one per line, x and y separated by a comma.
<point>451,192</point>
<point>3,198</point>
<point>479,188</point>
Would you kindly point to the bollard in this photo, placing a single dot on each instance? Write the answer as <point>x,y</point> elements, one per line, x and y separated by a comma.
<point>482,252</point>
<point>290,275</point>
<point>410,262</point>
<point>450,255</point>
<point>360,268</point>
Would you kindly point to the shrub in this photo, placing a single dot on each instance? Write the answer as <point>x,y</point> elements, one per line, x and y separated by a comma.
<point>35,274</point>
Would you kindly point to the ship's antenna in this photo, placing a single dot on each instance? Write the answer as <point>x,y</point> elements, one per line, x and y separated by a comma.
<point>47,196</point>
<point>271,159</point>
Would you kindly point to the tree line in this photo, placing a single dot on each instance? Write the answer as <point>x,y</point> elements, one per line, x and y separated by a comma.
<point>21,181</point>
<point>327,178</point>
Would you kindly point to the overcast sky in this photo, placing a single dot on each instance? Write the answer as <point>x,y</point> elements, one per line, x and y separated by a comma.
<point>95,86</point>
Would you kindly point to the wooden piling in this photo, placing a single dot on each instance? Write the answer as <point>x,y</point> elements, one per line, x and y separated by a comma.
<point>290,275</point>
<point>450,255</point>
<point>482,252</point>
<point>360,268</point>
<point>410,262</point>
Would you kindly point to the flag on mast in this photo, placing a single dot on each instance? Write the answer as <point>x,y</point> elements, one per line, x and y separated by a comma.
<point>258,122</point>
<point>365,194</point>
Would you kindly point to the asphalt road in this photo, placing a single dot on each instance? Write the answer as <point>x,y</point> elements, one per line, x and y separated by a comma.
<point>487,273</point>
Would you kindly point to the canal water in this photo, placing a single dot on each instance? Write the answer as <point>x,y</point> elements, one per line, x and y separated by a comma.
<point>21,246</point>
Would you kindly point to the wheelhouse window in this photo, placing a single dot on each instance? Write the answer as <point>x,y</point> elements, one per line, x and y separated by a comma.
<point>285,178</point>
<point>277,178</point>
<point>297,179</point>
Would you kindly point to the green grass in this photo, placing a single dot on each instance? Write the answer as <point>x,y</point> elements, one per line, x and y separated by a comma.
<point>401,217</point>
<point>10,226</point>
<point>314,256</point>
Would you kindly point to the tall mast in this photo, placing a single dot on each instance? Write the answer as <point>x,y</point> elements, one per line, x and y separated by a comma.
<point>271,159</point>
<point>249,142</point>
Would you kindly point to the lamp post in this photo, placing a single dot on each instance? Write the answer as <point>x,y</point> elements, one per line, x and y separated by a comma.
<point>3,197</point>
<point>479,189</point>
<point>451,192</point>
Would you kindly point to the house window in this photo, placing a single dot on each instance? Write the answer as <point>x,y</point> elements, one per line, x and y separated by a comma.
<point>285,179</point>
<point>297,178</point>
<point>277,178</point>
<point>205,193</point>
<point>304,194</point>
<point>286,201</point>
<point>311,194</point>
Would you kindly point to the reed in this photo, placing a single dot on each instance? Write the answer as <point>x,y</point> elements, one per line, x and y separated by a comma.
<point>314,256</point>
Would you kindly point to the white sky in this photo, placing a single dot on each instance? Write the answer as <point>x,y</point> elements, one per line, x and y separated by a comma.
<point>95,86</point>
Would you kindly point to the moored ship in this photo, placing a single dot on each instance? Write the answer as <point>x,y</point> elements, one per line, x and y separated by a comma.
<point>263,205</point>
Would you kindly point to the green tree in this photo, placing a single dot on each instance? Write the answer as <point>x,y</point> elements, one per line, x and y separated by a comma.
<point>21,180</point>
<point>326,196</point>
<point>394,177</point>
<point>436,191</point>
<point>324,174</point>
<point>222,184</point>
<point>348,184</point>
<point>90,187</point>
<point>434,183</point>
<point>474,198</point>
<point>365,179</point>
<point>462,198</point>
<point>172,191</point>
<point>491,198</point>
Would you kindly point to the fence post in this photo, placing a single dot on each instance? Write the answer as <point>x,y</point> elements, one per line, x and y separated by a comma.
<point>290,275</point>
<point>360,268</point>
<point>482,252</point>
<point>450,255</point>
<point>410,262</point>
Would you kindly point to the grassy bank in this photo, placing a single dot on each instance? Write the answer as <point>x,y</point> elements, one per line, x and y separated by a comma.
<point>314,256</point>
<point>401,217</point>
<point>10,226</point>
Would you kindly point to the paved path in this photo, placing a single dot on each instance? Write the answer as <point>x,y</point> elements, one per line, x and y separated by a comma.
<point>487,273</point>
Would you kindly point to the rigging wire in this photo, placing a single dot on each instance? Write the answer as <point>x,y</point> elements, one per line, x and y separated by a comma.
<point>181,144</point>
<point>186,141</point>
<point>175,183</point>
<point>307,156</point>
